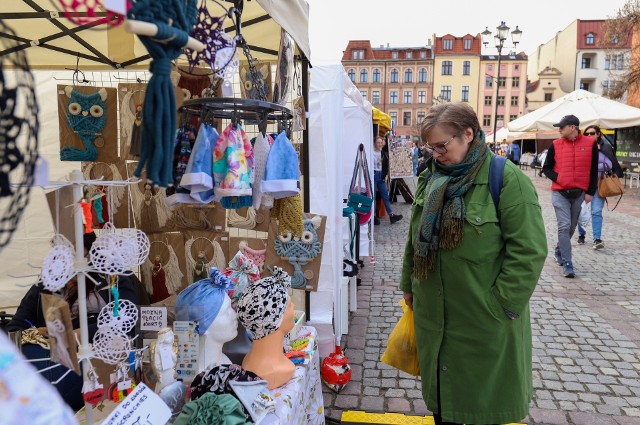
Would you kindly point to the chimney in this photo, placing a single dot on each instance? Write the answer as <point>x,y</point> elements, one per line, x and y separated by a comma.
<point>429,42</point>
<point>382,46</point>
<point>387,45</point>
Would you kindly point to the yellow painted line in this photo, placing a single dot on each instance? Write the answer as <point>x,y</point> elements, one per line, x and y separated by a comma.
<point>356,417</point>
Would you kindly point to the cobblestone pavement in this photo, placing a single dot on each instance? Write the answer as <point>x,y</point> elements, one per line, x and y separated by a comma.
<point>586,331</point>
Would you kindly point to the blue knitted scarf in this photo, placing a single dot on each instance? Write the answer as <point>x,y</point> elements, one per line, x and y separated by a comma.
<point>159,109</point>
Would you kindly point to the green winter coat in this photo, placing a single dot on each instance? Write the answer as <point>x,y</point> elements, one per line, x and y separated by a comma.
<point>482,357</point>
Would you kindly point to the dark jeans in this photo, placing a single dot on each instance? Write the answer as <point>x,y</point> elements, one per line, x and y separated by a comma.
<point>381,187</point>
<point>70,388</point>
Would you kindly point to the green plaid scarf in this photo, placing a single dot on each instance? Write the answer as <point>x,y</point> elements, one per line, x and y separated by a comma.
<point>444,212</point>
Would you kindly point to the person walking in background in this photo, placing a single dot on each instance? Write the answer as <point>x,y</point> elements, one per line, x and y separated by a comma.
<point>415,153</point>
<point>513,153</point>
<point>470,267</point>
<point>607,162</point>
<point>380,171</point>
<point>572,166</point>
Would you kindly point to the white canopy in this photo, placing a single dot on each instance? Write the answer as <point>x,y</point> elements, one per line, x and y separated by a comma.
<point>590,108</point>
<point>53,42</point>
<point>502,135</point>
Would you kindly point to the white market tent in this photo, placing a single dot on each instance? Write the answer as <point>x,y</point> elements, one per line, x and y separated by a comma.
<point>503,135</point>
<point>53,42</point>
<point>590,108</point>
<point>339,120</point>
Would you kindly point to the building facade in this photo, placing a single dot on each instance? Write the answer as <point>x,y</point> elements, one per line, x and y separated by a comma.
<point>396,80</point>
<point>545,89</point>
<point>457,69</point>
<point>584,59</point>
<point>511,90</point>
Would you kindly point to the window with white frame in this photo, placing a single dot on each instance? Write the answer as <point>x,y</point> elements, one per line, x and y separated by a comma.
<point>422,75</point>
<point>394,55</point>
<point>358,54</point>
<point>465,94</point>
<point>447,67</point>
<point>408,55</point>
<point>423,55</point>
<point>408,75</point>
<point>515,82</point>
<point>375,97</point>
<point>500,100</point>
<point>394,76</point>
<point>406,118</point>
<point>445,92</point>
<point>422,97</point>
<point>394,116</point>
<point>488,100</point>
<point>364,94</point>
<point>466,68</point>
<point>420,116</point>
<point>590,38</point>
<point>467,43</point>
<point>376,75</point>
<point>488,82</point>
<point>364,76</point>
<point>512,117</point>
<point>486,120</point>
<point>408,95</point>
<point>514,100</point>
<point>393,97</point>
<point>447,44</point>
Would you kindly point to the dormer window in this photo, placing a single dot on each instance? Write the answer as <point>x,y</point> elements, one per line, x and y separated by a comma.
<point>467,44</point>
<point>591,38</point>
<point>447,44</point>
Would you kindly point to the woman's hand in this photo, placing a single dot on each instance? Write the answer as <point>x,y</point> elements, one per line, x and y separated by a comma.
<point>408,298</point>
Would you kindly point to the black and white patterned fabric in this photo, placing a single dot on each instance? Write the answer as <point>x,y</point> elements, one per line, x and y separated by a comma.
<point>264,302</point>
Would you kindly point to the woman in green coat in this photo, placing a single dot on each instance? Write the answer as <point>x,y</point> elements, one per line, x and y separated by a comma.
<point>468,272</point>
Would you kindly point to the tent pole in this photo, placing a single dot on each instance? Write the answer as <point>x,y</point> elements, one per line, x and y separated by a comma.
<point>85,348</point>
<point>305,161</point>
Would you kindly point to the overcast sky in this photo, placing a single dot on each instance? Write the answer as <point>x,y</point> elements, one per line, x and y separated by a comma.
<point>412,22</point>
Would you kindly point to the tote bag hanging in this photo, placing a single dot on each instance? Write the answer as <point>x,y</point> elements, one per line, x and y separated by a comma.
<point>610,185</point>
<point>360,194</point>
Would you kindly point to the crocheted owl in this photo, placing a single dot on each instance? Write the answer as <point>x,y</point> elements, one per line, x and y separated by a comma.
<point>87,117</point>
<point>300,250</point>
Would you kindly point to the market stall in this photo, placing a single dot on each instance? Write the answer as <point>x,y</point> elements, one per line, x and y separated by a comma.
<point>226,209</point>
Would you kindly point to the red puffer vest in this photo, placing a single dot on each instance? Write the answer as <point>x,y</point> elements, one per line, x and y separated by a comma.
<point>573,162</point>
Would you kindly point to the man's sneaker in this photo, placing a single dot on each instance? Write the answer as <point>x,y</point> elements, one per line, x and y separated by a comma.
<point>558,257</point>
<point>567,269</point>
<point>598,244</point>
<point>581,240</point>
<point>395,217</point>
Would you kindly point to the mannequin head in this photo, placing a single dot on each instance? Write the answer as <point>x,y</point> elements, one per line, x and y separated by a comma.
<point>263,306</point>
<point>289,317</point>
<point>225,326</point>
<point>203,301</point>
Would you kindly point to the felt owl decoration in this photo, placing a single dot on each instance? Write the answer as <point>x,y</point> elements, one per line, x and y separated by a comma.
<point>86,116</point>
<point>251,90</point>
<point>300,250</point>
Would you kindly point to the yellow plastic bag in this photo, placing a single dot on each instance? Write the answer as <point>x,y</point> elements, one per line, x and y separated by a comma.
<point>402,352</point>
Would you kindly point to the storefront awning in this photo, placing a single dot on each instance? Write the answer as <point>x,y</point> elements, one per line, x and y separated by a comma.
<point>382,119</point>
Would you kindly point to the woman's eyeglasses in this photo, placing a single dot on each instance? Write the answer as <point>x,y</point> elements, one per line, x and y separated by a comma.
<point>440,148</point>
<point>590,133</point>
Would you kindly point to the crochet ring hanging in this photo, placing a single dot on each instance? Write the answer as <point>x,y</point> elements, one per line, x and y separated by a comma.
<point>300,251</point>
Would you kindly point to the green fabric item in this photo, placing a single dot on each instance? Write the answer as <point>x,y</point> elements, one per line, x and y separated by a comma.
<point>482,356</point>
<point>212,409</point>
<point>441,223</point>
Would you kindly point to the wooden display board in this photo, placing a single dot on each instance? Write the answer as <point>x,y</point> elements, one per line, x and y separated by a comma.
<point>311,270</point>
<point>107,141</point>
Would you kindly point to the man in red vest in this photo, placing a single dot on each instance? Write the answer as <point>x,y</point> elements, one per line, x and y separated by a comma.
<point>572,166</point>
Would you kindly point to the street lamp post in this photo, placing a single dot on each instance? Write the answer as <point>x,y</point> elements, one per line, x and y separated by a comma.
<point>500,37</point>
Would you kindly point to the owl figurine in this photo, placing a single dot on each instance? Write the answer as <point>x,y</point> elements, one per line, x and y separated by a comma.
<point>300,250</point>
<point>86,116</point>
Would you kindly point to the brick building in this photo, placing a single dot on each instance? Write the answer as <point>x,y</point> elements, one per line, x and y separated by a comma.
<point>396,80</point>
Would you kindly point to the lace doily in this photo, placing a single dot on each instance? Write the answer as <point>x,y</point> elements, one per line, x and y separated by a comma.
<point>126,319</point>
<point>111,345</point>
<point>59,265</point>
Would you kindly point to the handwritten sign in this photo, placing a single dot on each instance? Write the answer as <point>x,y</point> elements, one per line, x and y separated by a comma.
<point>141,407</point>
<point>153,318</point>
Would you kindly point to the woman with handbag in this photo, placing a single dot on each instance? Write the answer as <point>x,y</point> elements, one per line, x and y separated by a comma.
<point>607,163</point>
<point>379,183</point>
<point>470,267</point>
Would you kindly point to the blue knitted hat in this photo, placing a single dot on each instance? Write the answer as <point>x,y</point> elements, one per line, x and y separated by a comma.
<point>282,177</point>
<point>202,301</point>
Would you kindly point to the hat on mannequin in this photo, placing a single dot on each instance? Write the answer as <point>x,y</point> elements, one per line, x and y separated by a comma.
<point>201,302</point>
<point>262,307</point>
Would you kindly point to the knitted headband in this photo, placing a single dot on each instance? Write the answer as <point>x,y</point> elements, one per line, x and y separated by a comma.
<point>202,301</point>
<point>262,307</point>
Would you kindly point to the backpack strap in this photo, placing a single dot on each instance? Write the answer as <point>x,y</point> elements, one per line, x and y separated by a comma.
<point>496,173</point>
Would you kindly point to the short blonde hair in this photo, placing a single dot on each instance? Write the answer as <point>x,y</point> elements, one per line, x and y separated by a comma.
<point>457,117</point>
